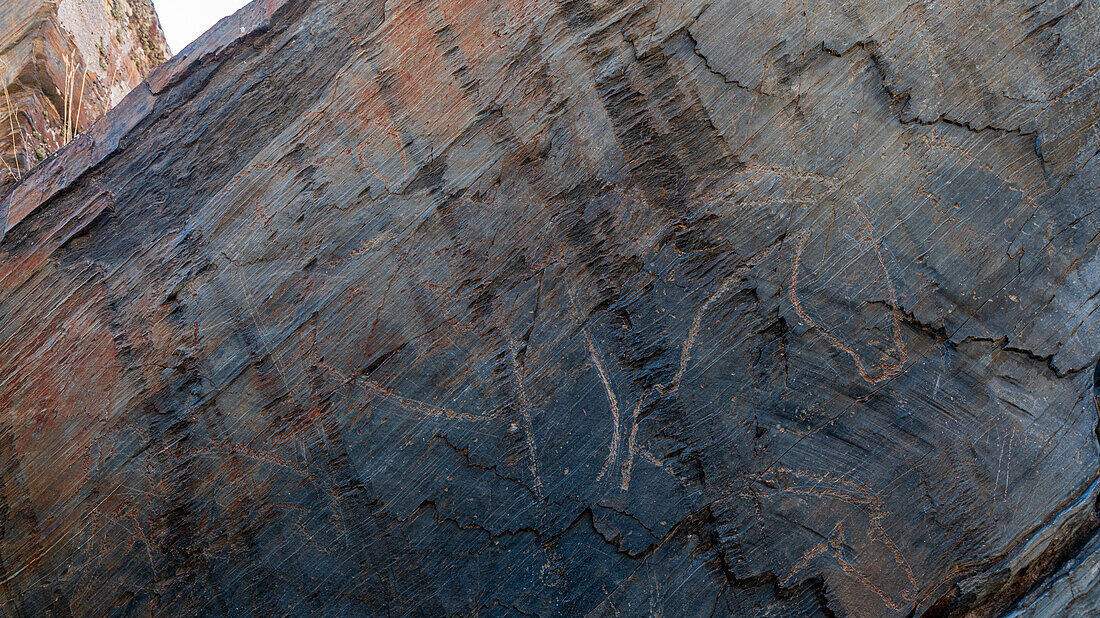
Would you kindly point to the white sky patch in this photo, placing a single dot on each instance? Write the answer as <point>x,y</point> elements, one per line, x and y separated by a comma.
<point>184,20</point>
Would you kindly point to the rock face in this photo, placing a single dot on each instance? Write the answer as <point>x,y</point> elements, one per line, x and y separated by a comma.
<point>560,307</point>
<point>63,65</point>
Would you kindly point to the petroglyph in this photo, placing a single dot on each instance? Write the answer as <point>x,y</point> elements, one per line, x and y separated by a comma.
<point>633,449</point>
<point>631,446</point>
<point>874,375</point>
<point>784,481</point>
<point>525,412</point>
<point>616,429</point>
<point>424,409</point>
<point>723,288</point>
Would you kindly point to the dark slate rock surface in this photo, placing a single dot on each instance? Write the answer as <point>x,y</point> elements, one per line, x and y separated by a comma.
<point>1073,591</point>
<point>566,307</point>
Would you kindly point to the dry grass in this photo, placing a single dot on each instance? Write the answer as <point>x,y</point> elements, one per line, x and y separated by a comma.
<point>72,97</point>
<point>16,173</point>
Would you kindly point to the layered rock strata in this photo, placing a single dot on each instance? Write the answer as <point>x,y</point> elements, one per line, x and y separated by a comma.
<point>566,307</point>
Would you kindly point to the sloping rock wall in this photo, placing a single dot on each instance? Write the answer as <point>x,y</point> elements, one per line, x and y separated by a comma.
<point>559,307</point>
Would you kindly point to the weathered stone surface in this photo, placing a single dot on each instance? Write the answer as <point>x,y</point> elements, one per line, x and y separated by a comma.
<point>63,65</point>
<point>566,307</point>
<point>1073,591</point>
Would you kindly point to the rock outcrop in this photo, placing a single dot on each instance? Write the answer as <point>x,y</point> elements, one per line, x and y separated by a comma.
<point>560,307</point>
<point>63,65</point>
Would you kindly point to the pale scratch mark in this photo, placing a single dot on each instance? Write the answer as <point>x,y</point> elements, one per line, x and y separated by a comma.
<point>276,359</point>
<point>757,173</point>
<point>1000,461</point>
<point>616,432</point>
<point>525,411</point>
<point>1008,463</point>
<point>655,598</point>
<point>631,447</point>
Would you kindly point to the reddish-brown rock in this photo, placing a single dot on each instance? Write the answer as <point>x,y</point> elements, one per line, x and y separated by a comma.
<point>64,64</point>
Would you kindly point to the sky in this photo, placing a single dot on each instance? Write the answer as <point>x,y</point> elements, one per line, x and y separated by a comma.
<point>184,20</point>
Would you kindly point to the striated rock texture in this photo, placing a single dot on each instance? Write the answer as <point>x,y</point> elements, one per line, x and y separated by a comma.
<point>567,307</point>
<point>63,64</point>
